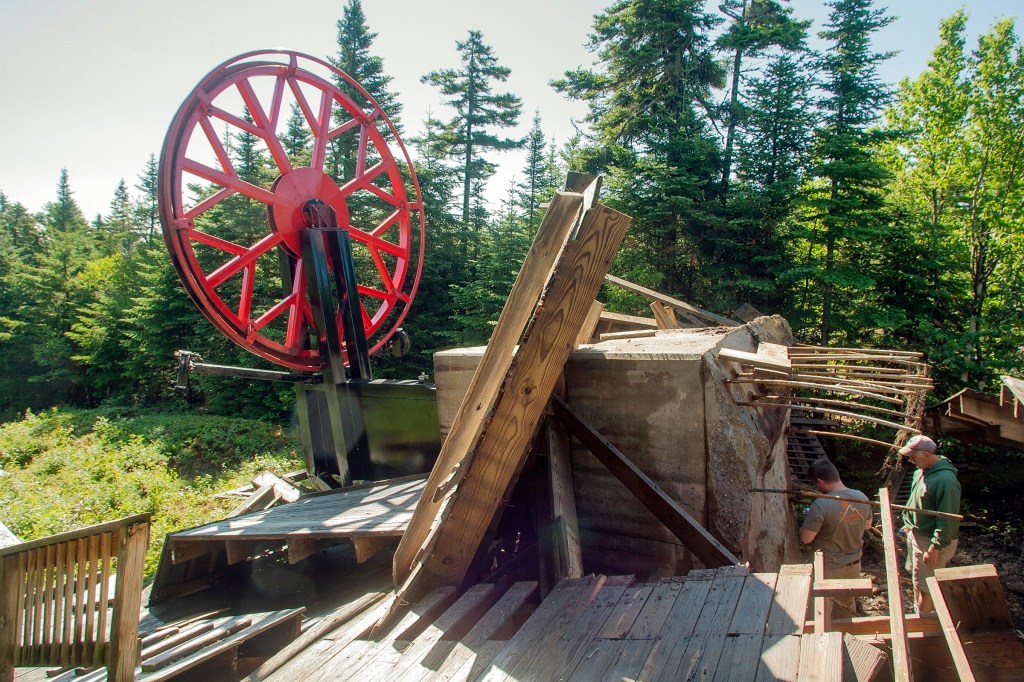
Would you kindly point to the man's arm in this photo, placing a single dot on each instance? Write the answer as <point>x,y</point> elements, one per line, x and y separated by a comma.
<point>807,536</point>
<point>812,523</point>
<point>947,499</point>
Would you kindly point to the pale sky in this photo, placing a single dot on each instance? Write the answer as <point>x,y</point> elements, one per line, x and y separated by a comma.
<point>91,85</point>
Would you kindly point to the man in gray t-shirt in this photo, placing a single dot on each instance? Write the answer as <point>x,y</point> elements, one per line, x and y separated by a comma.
<point>837,528</point>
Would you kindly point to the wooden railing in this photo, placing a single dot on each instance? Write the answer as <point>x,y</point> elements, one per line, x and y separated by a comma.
<point>56,593</point>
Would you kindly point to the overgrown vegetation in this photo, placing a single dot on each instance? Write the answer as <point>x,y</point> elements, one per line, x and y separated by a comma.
<point>64,469</point>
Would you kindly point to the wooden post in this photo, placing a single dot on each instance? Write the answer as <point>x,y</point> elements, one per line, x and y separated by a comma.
<point>123,654</point>
<point>822,605</point>
<point>900,655</point>
<point>956,647</point>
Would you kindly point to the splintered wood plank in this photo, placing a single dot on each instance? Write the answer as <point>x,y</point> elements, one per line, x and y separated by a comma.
<point>755,603</point>
<point>974,597</point>
<point>471,656</point>
<point>821,657</point>
<point>897,628</point>
<point>674,302</point>
<point>550,619</point>
<point>861,661</point>
<point>483,389</point>
<point>789,607</point>
<point>740,657</point>
<point>427,652</point>
<point>590,323</point>
<point>759,360</point>
<point>566,648</point>
<point>622,618</point>
<point>504,446</point>
<point>949,631</point>
<point>655,611</point>
<point>780,658</point>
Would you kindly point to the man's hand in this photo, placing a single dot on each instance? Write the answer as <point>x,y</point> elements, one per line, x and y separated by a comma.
<point>931,556</point>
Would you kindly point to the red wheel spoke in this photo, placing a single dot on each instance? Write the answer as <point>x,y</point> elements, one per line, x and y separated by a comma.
<point>263,123</point>
<point>295,317</point>
<point>364,180</point>
<point>216,145</point>
<point>382,269</point>
<point>245,299</point>
<point>237,121</point>
<point>226,271</point>
<point>385,296</point>
<point>275,103</point>
<point>373,242</point>
<point>208,203</point>
<point>216,242</point>
<point>266,318</point>
<point>230,181</point>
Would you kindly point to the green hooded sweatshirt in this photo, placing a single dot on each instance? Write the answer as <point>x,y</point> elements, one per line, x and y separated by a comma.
<point>936,489</point>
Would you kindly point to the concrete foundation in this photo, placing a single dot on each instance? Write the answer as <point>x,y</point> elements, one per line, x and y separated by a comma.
<point>663,402</point>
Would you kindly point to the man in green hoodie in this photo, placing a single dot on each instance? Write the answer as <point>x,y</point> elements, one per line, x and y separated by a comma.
<point>931,540</point>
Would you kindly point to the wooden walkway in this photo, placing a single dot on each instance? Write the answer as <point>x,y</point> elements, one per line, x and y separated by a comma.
<point>712,625</point>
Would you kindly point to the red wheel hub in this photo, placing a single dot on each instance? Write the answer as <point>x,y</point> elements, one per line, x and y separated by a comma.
<point>260,136</point>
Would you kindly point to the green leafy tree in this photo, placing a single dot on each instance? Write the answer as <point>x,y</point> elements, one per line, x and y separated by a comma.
<point>479,114</point>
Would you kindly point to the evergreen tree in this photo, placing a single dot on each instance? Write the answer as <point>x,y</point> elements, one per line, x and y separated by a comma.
<point>538,183</point>
<point>119,233</point>
<point>651,109</point>
<point>756,25</point>
<point>479,112</point>
<point>354,57</point>
<point>844,224</point>
<point>297,138</point>
<point>146,207</point>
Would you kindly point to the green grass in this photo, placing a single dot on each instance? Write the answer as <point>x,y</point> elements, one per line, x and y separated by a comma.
<point>65,469</point>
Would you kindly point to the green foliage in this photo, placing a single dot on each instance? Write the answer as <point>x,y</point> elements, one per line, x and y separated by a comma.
<point>65,469</point>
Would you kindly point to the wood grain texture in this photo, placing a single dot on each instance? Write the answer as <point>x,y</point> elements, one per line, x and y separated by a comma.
<point>897,628</point>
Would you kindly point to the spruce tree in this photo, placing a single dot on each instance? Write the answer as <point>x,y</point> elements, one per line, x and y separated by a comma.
<point>844,222</point>
<point>479,114</point>
<point>146,206</point>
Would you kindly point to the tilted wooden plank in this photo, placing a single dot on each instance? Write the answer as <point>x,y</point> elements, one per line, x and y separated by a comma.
<point>590,323</point>
<point>674,302</point>
<point>790,604</point>
<point>759,360</point>
<point>740,657</point>
<point>821,657</point>
<point>949,631</point>
<point>563,502</point>
<point>483,389</point>
<point>861,661</point>
<point>897,627</point>
<point>503,448</point>
<point>679,626</point>
<point>974,597</point>
<point>194,644</point>
<point>689,531</point>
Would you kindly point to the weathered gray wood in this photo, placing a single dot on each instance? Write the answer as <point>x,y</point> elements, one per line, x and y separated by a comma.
<point>568,639</point>
<point>741,654</point>
<point>679,626</point>
<point>333,621</point>
<point>560,607</point>
<point>613,660</point>
<point>194,644</point>
<point>754,605</point>
<point>656,610</point>
<point>949,631</point>
<point>625,613</point>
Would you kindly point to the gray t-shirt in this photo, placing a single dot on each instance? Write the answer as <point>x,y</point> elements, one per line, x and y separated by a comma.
<point>840,527</point>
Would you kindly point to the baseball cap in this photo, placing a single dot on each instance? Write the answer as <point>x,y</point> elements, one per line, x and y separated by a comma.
<point>922,443</point>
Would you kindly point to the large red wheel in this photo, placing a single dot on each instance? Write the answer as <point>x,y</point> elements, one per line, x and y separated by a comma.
<point>260,136</point>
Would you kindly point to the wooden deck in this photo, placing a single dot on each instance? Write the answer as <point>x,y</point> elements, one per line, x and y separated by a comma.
<point>372,517</point>
<point>712,624</point>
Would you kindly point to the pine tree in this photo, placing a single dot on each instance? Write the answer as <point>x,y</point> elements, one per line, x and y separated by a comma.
<point>479,112</point>
<point>146,207</point>
<point>844,219</point>
<point>756,26</point>
<point>651,109</point>
<point>119,233</point>
<point>537,185</point>
<point>354,57</point>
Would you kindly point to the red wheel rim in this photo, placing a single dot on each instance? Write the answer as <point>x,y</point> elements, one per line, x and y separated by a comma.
<point>223,161</point>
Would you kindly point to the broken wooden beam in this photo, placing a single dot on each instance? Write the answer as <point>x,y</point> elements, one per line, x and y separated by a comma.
<point>689,531</point>
<point>704,315</point>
